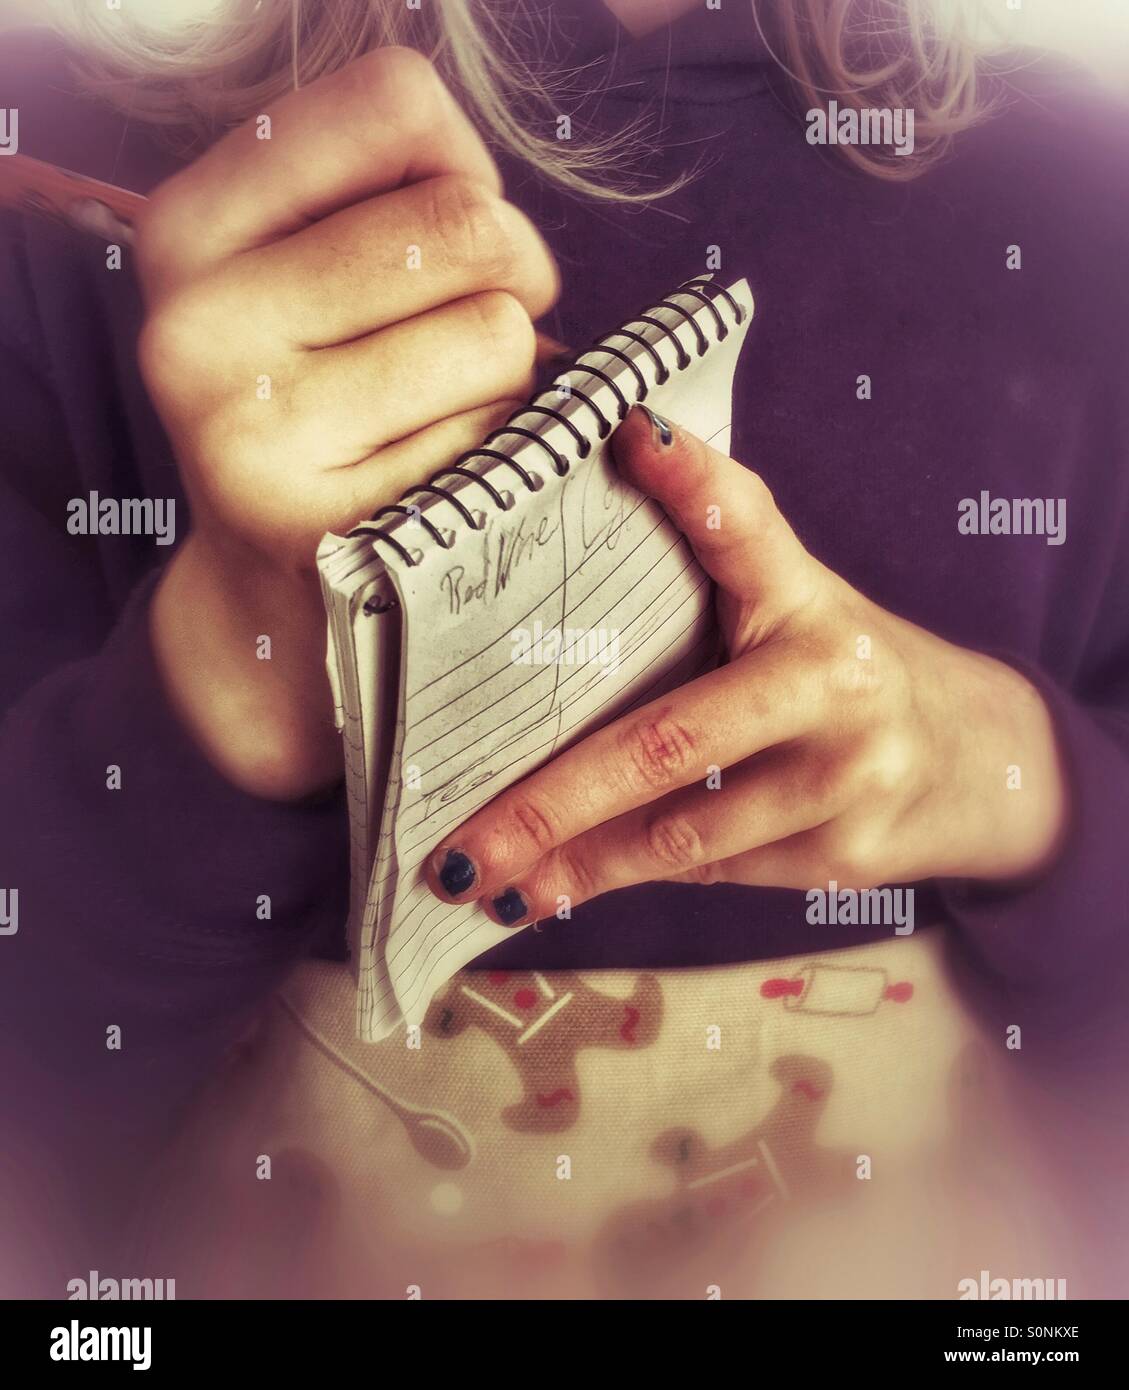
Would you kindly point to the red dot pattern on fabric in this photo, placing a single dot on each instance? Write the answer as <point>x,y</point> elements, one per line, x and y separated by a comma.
<point>779,989</point>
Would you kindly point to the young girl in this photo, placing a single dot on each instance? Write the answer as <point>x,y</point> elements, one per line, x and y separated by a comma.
<point>915,694</point>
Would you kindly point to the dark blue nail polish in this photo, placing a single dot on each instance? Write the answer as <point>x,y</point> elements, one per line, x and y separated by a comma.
<point>510,907</point>
<point>457,873</point>
<point>660,428</point>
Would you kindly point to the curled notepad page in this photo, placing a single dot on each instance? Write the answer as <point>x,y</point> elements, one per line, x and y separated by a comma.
<point>503,611</point>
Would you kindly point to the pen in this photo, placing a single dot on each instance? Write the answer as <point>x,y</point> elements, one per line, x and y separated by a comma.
<point>88,204</point>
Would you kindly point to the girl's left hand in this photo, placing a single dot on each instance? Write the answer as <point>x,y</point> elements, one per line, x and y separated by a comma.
<point>852,745</point>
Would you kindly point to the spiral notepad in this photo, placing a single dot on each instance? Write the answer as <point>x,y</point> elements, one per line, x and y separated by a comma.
<point>500,612</point>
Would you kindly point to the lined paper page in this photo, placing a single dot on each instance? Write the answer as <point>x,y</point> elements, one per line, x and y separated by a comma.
<point>363,639</point>
<point>585,557</point>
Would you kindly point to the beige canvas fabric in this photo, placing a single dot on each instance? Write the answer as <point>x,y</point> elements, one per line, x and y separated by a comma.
<point>824,1126</point>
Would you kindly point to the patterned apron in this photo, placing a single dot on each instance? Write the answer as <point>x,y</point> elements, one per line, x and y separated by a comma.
<point>824,1126</point>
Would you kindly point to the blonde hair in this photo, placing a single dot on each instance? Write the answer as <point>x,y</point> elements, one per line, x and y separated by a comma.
<point>217,71</point>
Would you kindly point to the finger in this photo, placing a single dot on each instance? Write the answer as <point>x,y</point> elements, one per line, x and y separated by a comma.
<point>384,120</point>
<point>392,257</point>
<point>854,851</point>
<point>684,835</point>
<point>339,498</point>
<point>799,861</point>
<point>723,509</point>
<point>368,393</point>
<point>729,714</point>
<point>383,478</point>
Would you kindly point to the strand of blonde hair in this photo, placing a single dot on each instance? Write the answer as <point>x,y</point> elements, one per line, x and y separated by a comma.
<point>218,71</point>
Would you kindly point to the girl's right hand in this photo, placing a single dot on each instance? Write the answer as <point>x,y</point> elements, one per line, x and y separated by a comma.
<point>339,301</point>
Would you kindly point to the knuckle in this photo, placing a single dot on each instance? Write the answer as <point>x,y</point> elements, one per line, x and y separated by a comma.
<point>570,873</point>
<point>471,222</point>
<point>881,681</point>
<point>390,74</point>
<point>176,335</point>
<point>161,345</point>
<point>391,91</point>
<point>505,328</point>
<point>675,843</point>
<point>704,875</point>
<point>659,750</point>
<point>855,858</point>
<point>848,677</point>
<point>886,764</point>
<point>534,826</point>
<point>709,874</point>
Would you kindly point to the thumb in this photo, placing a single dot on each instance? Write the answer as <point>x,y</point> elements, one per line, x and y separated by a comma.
<point>722,508</point>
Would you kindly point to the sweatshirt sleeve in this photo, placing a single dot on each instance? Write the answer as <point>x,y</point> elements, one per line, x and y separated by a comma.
<point>148,907</point>
<point>1055,952</point>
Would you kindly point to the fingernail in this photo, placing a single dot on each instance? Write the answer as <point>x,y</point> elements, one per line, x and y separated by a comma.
<point>510,907</point>
<point>457,873</point>
<point>661,431</point>
<point>90,215</point>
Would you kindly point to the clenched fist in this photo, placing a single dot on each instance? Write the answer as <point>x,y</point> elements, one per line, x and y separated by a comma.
<point>333,313</point>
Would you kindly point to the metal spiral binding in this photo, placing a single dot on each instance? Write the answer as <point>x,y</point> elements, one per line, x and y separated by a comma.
<point>702,288</point>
